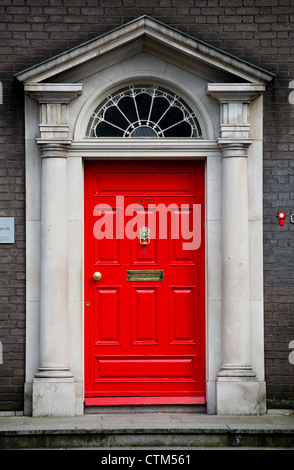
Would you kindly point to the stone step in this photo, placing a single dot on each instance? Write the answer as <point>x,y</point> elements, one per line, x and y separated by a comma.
<point>148,430</point>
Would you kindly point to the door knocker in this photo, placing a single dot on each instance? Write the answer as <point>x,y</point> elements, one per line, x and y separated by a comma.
<point>144,235</point>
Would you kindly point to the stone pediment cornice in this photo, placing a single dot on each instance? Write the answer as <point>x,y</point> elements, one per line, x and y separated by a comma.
<point>146,29</point>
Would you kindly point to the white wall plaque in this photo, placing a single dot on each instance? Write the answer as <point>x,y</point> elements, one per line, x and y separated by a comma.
<point>6,229</point>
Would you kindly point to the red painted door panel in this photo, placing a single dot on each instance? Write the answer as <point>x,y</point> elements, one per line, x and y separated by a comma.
<point>144,339</point>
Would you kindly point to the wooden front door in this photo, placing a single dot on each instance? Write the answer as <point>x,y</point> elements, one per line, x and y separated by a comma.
<point>145,309</point>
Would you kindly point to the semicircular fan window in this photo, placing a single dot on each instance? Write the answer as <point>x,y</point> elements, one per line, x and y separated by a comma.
<point>143,111</point>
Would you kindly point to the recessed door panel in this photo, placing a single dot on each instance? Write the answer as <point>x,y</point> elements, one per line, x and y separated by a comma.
<point>144,315</point>
<point>182,315</point>
<point>106,244</point>
<point>141,369</point>
<point>149,181</point>
<point>183,237</point>
<point>107,315</point>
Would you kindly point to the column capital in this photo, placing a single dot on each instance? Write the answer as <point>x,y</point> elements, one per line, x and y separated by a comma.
<point>234,99</point>
<point>53,101</point>
<point>234,147</point>
<point>54,92</point>
<point>243,92</point>
<point>56,149</point>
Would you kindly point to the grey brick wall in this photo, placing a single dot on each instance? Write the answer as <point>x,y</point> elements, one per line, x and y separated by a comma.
<point>260,31</point>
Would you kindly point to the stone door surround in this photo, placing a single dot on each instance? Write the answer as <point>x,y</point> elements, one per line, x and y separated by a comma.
<point>57,113</point>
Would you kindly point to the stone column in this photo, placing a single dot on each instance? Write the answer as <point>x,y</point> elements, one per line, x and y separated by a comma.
<point>238,391</point>
<point>54,387</point>
<point>54,260</point>
<point>235,262</point>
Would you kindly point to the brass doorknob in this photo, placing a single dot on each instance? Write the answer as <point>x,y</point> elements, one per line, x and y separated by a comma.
<point>97,276</point>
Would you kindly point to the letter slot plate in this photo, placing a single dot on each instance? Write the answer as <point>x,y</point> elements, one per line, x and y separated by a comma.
<point>144,275</point>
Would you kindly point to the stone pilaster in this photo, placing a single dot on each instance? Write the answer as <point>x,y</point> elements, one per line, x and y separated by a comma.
<point>53,387</point>
<point>238,391</point>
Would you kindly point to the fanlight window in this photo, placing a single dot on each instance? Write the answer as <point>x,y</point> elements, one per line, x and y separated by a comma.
<point>143,111</point>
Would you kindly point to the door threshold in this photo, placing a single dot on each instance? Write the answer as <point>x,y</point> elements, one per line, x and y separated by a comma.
<point>123,409</point>
<point>96,405</point>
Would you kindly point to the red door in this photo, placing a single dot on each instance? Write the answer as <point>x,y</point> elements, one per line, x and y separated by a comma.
<point>145,311</point>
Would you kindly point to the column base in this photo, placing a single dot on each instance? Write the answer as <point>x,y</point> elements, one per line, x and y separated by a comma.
<point>235,372</point>
<point>54,373</point>
<point>53,397</point>
<point>240,396</point>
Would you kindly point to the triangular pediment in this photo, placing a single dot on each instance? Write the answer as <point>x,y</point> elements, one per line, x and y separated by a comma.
<point>146,33</point>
